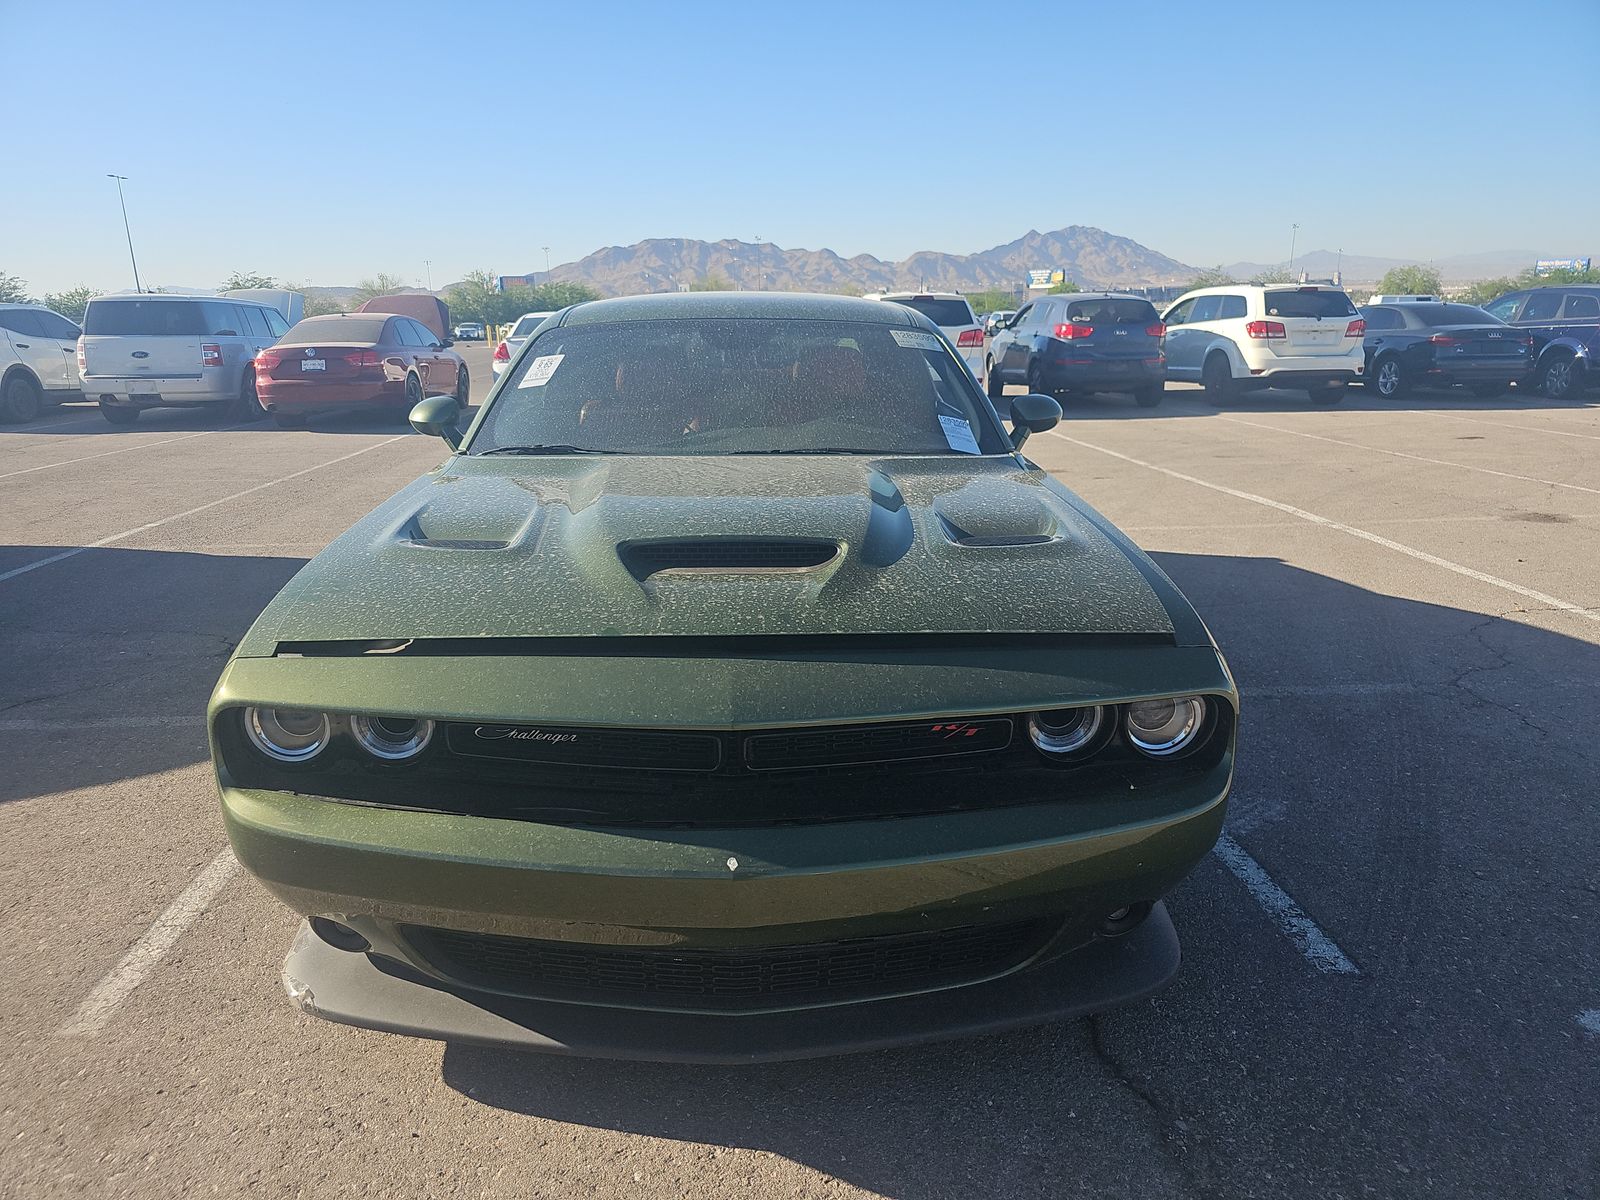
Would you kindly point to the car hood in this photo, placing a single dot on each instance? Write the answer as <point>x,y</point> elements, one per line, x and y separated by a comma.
<point>542,547</point>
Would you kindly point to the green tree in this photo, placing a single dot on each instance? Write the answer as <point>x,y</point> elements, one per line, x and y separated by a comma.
<point>12,290</point>
<point>1532,278</point>
<point>475,299</point>
<point>1485,290</point>
<point>382,284</point>
<point>1413,280</point>
<point>247,279</point>
<point>558,295</point>
<point>992,300</point>
<point>1272,275</point>
<point>1064,287</point>
<point>1212,277</point>
<point>71,303</point>
<point>711,283</point>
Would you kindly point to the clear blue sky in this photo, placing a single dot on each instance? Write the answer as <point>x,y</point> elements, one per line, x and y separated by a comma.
<point>324,142</point>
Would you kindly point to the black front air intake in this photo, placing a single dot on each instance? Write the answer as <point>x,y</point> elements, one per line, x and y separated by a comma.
<point>644,559</point>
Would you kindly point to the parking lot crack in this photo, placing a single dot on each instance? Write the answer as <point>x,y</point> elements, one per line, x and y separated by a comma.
<point>1501,662</point>
<point>1173,1131</point>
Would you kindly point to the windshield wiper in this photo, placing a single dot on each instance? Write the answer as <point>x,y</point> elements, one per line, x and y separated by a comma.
<point>559,448</point>
<point>814,450</point>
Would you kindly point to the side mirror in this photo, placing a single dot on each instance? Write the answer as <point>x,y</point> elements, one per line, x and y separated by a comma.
<point>445,343</point>
<point>1030,414</point>
<point>437,417</point>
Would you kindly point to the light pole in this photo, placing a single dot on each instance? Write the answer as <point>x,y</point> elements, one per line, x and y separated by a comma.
<point>547,264</point>
<point>137,286</point>
<point>1294,232</point>
<point>761,268</point>
<point>427,264</point>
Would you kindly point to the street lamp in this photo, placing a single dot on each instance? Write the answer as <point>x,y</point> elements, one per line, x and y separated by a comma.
<point>428,265</point>
<point>137,286</point>
<point>547,264</point>
<point>1294,232</point>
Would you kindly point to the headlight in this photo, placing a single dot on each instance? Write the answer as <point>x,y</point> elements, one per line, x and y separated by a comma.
<point>1161,728</point>
<point>1064,731</point>
<point>392,738</point>
<point>287,734</point>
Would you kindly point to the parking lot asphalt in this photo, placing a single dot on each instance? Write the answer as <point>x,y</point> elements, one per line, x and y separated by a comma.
<point>1391,983</point>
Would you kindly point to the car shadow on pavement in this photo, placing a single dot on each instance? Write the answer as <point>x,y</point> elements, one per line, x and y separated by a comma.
<point>81,420</point>
<point>110,656</point>
<point>1419,779</point>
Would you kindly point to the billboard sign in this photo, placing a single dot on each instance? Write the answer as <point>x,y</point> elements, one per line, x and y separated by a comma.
<point>1546,265</point>
<point>1046,278</point>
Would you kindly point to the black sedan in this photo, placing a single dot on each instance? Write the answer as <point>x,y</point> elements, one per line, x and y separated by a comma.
<point>1441,345</point>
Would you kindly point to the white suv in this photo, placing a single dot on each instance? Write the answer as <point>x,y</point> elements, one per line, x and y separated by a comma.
<point>954,317</point>
<point>1245,336</point>
<point>38,360</point>
<point>512,342</point>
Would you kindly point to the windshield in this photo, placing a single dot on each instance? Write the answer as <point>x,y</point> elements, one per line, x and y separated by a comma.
<point>1309,302</point>
<point>1453,314</point>
<point>528,324</point>
<point>940,312</point>
<point>334,329</point>
<point>740,386</point>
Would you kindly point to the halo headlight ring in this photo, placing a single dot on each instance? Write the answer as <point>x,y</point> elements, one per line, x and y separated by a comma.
<point>1166,727</point>
<point>1071,734</point>
<point>392,739</point>
<point>288,735</point>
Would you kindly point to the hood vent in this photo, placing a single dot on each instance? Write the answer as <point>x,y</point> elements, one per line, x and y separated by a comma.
<point>726,555</point>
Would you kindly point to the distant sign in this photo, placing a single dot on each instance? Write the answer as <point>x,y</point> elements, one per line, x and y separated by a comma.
<point>1546,265</point>
<point>509,281</point>
<point>1046,278</point>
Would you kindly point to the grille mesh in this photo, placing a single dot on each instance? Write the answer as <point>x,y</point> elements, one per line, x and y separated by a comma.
<point>820,972</point>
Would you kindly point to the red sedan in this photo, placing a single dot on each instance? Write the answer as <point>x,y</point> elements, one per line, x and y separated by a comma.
<point>356,360</point>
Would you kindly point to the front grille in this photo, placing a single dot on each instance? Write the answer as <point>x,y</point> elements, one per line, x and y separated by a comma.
<point>583,746</point>
<point>730,979</point>
<point>725,554</point>
<point>846,744</point>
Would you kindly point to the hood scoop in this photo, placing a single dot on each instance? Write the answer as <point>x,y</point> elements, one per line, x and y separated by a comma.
<point>725,555</point>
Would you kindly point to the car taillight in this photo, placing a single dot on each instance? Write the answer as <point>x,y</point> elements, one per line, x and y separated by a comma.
<point>1159,329</point>
<point>210,355</point>
<point>1356,328</point>
<point>1443,339</point>
<point>268,360</point>
<point>1070,330</point>
<point>970,337</point>
<point>361,358</point>
<point>502,353</point>
<point>1265,330</point>
<point>83,363</point>
<point>1527,341</point>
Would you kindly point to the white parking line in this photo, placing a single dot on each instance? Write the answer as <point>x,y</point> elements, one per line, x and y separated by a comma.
<point>67,462</point>
<point>135,966</point>
<point>1327,522</point>
<point>1319,949</point>
<point>1438,462</point>
<point>1590,437</point>
<point>138,529</point>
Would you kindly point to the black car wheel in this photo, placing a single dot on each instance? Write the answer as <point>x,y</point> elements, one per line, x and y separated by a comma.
<point>1149,397</point>
<point>1329,393</point>
<point>463,389</point>
<point>992,383</point>
<point>1217,379</point>
<point>1561,378</point>
<point>413,393</point>
<point>1035,379</point>
<point>20,399</point>
<point>118,416</point>
<point>1389,379</point>
<point>249,406</point>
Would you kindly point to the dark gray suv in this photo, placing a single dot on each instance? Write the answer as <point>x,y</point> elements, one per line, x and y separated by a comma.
<point>1564,320</point>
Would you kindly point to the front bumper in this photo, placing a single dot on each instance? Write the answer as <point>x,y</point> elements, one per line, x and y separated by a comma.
<point>359,989</point>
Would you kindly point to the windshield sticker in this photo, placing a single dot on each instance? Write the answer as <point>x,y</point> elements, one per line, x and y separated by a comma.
<point>540,369</point>
<point>959,434</point>
<point>916,339</point>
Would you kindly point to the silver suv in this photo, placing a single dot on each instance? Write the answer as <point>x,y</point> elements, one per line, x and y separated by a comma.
<point>1244,336</point>
<point>143,351</point>
<point>38,360</point>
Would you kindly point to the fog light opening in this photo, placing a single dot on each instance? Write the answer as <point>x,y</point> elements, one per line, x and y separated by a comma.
<point>1124,920</point>
<point>340,937</point>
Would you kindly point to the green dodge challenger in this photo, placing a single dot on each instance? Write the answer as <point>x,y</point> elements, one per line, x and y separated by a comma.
<point>735,690</point>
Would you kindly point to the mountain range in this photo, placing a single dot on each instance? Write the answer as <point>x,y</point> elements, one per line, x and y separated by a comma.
<point>1089,256</point>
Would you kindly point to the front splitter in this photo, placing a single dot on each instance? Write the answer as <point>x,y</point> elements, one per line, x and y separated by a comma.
<point>358,989</point>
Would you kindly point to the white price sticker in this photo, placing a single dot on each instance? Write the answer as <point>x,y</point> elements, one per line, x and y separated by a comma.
<point>959,434</point>
<point>540,369</point>
<point>916,339</point>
